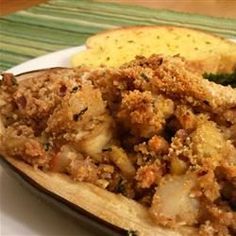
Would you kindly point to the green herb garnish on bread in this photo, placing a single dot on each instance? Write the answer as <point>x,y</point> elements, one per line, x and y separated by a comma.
<point>204,52</point>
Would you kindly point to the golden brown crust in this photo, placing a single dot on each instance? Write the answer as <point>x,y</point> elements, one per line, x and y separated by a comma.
<point>151,130</point>
<point>173,79</point>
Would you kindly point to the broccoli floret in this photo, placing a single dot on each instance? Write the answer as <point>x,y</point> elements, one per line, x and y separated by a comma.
<point>222,78</point>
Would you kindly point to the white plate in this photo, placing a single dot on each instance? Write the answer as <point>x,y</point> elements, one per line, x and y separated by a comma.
<point>21,212</point>
<point>59,58</point>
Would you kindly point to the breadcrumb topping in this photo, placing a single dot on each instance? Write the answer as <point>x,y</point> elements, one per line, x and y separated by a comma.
<point>151,130</point>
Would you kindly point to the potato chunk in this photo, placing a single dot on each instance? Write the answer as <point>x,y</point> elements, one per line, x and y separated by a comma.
<point>208,142</point>
<point>93,143</point>
<point>173,204</point>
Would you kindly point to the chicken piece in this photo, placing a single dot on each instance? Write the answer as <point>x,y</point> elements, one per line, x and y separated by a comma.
<point>173,203</point>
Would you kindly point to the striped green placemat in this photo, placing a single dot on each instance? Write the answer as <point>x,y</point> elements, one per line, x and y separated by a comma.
<point>61,24</point>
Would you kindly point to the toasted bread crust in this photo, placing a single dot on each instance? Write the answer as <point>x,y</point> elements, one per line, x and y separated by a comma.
<point>151,27</point>
<point>205,52</point>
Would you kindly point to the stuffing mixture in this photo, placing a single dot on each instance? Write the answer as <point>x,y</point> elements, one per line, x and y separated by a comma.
<point>151,130</point>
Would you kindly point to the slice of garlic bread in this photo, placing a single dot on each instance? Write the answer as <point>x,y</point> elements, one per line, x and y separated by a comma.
<point>205,52</point>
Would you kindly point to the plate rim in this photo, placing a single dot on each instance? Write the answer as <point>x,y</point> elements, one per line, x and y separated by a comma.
<point>33,65</point>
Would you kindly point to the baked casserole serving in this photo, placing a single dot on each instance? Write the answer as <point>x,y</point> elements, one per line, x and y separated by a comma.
<point>151,130</point>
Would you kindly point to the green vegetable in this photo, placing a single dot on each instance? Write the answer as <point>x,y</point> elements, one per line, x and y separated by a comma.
<point>222,78</point>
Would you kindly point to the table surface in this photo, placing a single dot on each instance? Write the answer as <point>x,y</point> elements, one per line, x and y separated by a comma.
<point>219,8</point>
